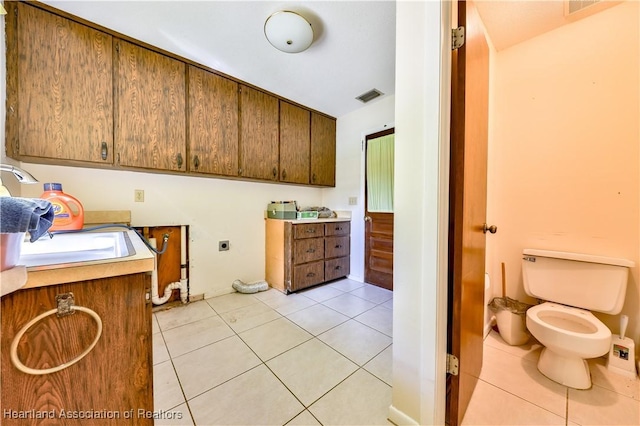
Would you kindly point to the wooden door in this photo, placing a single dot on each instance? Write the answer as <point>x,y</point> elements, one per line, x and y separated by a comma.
<point>468,200</point>
<point>150,109</point>
<point>323,150</point>
<point>258,134</point>
<point>213,123</point>
<point>378,237</point>
<point>295,143</point>
<point>60,83</point>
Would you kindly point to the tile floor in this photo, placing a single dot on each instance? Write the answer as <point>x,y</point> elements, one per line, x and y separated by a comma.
<point>511,391</point>
<point>321,356</point>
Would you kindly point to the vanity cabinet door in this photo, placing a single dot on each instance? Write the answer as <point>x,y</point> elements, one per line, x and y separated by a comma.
<point>150,125</point>
<point>59,87</point>
<point>213,123</point>
<point>323,150</point>
<point>258,134</point>
<point>295,143</point>
<point>115,377</point>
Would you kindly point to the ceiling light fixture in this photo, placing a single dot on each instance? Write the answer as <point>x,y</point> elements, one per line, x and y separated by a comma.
<point>288,31</point>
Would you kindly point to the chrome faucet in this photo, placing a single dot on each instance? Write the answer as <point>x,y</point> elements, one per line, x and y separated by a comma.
<point>21,175</point>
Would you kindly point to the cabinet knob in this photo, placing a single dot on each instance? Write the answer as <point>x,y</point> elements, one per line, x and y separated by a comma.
<point>313,178</point>
<point>196,162</point>
<point>274,172</point>
<point>104,150</point>
<point>284,174</point>
<point>179,160</point>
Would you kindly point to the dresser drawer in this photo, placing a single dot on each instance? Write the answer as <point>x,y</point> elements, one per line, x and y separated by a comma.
<point>308,230</point>
<point>308,250</point>
<point>308,274</point>
<point>336,268</point>
<point>337,228</point>
<point>336,247</point>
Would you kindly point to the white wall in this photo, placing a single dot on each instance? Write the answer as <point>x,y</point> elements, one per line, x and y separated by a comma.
<point>351,129</point>
<point>564,149</point>
<point>419,321</point>
<point>214,209</point>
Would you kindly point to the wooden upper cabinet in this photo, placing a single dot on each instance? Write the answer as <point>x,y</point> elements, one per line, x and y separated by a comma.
<point>295,143</point>
<point>150,124</point>
<point>59,87</point>
<point>213,123</point>
<point>258,134</point>
<point>323,150</point>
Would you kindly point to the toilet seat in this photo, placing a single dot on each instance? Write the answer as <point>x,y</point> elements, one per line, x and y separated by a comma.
<point>572,330</point>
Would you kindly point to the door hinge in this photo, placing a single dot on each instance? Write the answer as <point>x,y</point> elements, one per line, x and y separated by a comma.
<point>457,38</point>
<point>452,365</point>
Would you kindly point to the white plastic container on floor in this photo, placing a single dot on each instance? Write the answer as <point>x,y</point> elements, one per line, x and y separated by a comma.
<point>512,328</point>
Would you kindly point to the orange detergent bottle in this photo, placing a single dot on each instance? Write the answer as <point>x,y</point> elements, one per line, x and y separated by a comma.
<point>68,211</point>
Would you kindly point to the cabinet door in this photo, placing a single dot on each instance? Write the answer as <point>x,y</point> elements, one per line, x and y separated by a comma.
<point>115,376</point>
<point>323,150</point>
<point>213,123</point>
<point>61,74</point>
<point>258,134</point>
<point>295,143</point>
<point>150,109</point>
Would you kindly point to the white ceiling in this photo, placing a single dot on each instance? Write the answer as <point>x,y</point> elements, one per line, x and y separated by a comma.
<point>353,49</point>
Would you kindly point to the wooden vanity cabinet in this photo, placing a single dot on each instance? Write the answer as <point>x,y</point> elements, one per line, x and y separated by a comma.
<point>304,254</point>
<point>114,378</point>
<point>258,134</point>
<point>150,129</point>
<point>59,88</point>
<point>213,123</point>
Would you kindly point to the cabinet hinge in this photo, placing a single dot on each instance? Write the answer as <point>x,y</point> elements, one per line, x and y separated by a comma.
<point>457,38</point>
<point>452,365</point>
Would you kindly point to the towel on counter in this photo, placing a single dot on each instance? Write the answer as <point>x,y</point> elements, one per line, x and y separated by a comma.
<point>25,214</point>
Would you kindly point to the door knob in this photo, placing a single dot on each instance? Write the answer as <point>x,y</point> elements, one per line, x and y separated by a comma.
<point>367,219</point>
<point>493,229</point>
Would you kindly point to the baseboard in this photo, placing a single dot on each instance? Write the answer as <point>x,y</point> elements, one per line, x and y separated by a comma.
<point>399,418</point>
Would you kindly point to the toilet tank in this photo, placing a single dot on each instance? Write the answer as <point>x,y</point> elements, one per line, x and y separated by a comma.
<point>595,283</point>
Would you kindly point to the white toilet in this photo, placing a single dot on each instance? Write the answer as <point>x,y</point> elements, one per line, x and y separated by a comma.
<point>572,285</point>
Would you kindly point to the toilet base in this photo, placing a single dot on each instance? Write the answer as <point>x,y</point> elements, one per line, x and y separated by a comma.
<point>566,370</point>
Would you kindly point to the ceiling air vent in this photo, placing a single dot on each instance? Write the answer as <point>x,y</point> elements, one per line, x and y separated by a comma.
<point>573,6</point>
<point>371,94</point>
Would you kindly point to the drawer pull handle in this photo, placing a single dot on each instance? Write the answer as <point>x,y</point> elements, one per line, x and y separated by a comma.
<point>338,267</point>
<point>311,274</point>
<point>311,250</point>
<point>311,231</point>
<point>338,229</point>
<point>339,246</point>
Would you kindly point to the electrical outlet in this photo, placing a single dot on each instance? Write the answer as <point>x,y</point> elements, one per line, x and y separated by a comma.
<point>353,201</point>
<point>223,245</point>
<point>138,195</point>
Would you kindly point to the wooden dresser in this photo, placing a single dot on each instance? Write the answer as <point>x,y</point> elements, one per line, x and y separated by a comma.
<point>304,253</point>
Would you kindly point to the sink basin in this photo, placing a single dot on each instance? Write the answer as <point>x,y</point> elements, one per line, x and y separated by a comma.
<point>76,247</point>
